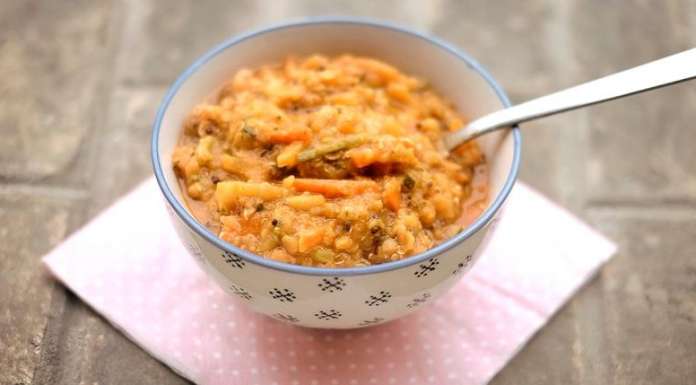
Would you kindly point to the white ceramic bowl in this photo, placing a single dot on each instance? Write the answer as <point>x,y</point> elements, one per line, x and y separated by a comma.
<point>352,297</point>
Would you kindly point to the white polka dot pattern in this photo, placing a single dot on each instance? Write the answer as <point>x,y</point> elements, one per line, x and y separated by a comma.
<point>143,282</point>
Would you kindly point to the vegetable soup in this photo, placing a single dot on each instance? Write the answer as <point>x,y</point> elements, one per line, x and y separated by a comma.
<point>331,162</point>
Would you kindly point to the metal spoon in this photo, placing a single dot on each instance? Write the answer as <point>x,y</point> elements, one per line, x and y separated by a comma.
<point>659,73</point>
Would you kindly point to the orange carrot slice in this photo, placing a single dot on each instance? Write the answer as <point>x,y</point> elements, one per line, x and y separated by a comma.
<point>334,188</point>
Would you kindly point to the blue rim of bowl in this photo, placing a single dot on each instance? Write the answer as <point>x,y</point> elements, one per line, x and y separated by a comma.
<point>202,231</point>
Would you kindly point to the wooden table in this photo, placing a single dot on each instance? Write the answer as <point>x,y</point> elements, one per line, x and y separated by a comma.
<point>81,81</point>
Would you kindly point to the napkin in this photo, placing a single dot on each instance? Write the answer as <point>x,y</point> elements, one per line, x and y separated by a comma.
<point>129,266</point>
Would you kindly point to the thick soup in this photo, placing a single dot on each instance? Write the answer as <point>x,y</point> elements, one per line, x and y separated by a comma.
<point>332,162</point>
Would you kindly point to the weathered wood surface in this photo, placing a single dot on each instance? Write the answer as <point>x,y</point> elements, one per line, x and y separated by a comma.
<point>81,81</point>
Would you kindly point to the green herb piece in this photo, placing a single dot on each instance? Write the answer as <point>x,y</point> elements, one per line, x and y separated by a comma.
<point>323,149</point>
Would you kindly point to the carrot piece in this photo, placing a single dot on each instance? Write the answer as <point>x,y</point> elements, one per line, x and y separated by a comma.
<point>309,238</point>
<point>287,135</point>
<point>392,194</point>
<point>332,187</point>
<point>383,70</point>
<point>362,156</point>
<point>288,156</point>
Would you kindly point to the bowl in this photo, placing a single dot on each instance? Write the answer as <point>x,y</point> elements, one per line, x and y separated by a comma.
<point>349,297</point>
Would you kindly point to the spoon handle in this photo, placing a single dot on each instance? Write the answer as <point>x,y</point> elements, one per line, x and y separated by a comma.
<point>659,73</point>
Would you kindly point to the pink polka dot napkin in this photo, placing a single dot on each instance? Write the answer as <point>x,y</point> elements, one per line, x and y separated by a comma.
<point>129,266</point>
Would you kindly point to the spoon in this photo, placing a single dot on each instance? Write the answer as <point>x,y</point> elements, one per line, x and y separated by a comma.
<point>659,73</point>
